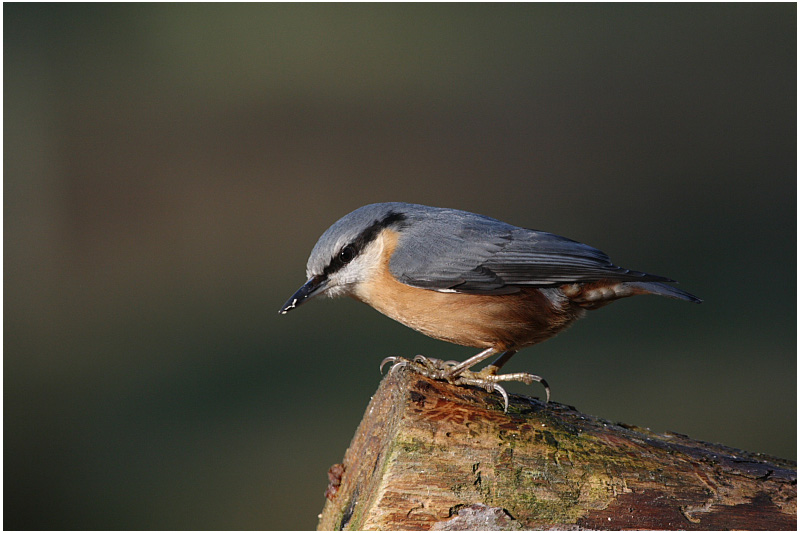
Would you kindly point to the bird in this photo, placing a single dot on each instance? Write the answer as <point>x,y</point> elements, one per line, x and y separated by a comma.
<point>467,279</point>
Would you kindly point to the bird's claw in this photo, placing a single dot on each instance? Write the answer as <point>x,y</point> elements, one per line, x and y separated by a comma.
<point>487,379</point>
<point>434,368</point>
<point>504,394</point>
<point>398,361</point>
<point>427,366</point>
<point>490,374</point>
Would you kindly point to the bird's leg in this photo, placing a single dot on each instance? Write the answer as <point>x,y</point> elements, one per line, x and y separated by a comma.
<point>498,363</point>
<point>456,370</point>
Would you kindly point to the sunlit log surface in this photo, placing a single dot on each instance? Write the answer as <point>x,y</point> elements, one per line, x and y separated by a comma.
<point>431,456</point>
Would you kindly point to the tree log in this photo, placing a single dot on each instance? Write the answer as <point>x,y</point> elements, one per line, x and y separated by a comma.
<point>432,456</point>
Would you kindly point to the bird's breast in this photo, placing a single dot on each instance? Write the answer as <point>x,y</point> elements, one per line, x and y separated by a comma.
<point>507,321</point>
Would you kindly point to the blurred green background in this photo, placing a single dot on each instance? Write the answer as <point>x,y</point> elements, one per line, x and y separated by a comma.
<point>168,168</point>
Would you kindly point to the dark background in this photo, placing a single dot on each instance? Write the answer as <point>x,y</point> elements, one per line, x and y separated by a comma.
<point>168,168</point>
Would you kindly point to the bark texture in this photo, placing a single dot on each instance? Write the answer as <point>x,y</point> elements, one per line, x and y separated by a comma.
<point>431,456</point>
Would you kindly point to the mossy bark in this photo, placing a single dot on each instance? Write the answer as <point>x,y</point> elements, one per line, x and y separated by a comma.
<point>428,455</point>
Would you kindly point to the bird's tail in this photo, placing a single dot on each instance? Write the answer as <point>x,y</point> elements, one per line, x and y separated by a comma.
<point>661,289</point>
<point>597,294</point>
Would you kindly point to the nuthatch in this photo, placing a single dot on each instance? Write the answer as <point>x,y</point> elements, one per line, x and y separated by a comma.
<point>467,279</point>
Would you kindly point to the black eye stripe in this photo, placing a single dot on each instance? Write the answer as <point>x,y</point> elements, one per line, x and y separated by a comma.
<point>370,233</point>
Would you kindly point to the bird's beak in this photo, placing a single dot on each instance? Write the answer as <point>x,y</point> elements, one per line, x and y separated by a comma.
<point>312,287</point>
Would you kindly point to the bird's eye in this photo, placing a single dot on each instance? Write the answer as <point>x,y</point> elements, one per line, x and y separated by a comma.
<point>347,254</point>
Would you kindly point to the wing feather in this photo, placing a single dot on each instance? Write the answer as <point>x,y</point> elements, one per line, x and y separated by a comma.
<point>461,251</point>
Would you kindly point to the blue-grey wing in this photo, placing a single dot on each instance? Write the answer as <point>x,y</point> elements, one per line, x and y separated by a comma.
<point>470,253</point>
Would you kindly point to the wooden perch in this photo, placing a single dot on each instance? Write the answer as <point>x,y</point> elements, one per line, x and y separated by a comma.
<point>429,455</point>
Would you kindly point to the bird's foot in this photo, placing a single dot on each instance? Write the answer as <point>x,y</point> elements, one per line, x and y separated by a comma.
<point>486,379</point>
<point>427,366</point>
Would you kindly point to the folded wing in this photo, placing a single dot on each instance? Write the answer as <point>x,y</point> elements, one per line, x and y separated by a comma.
<point>486,256</point>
